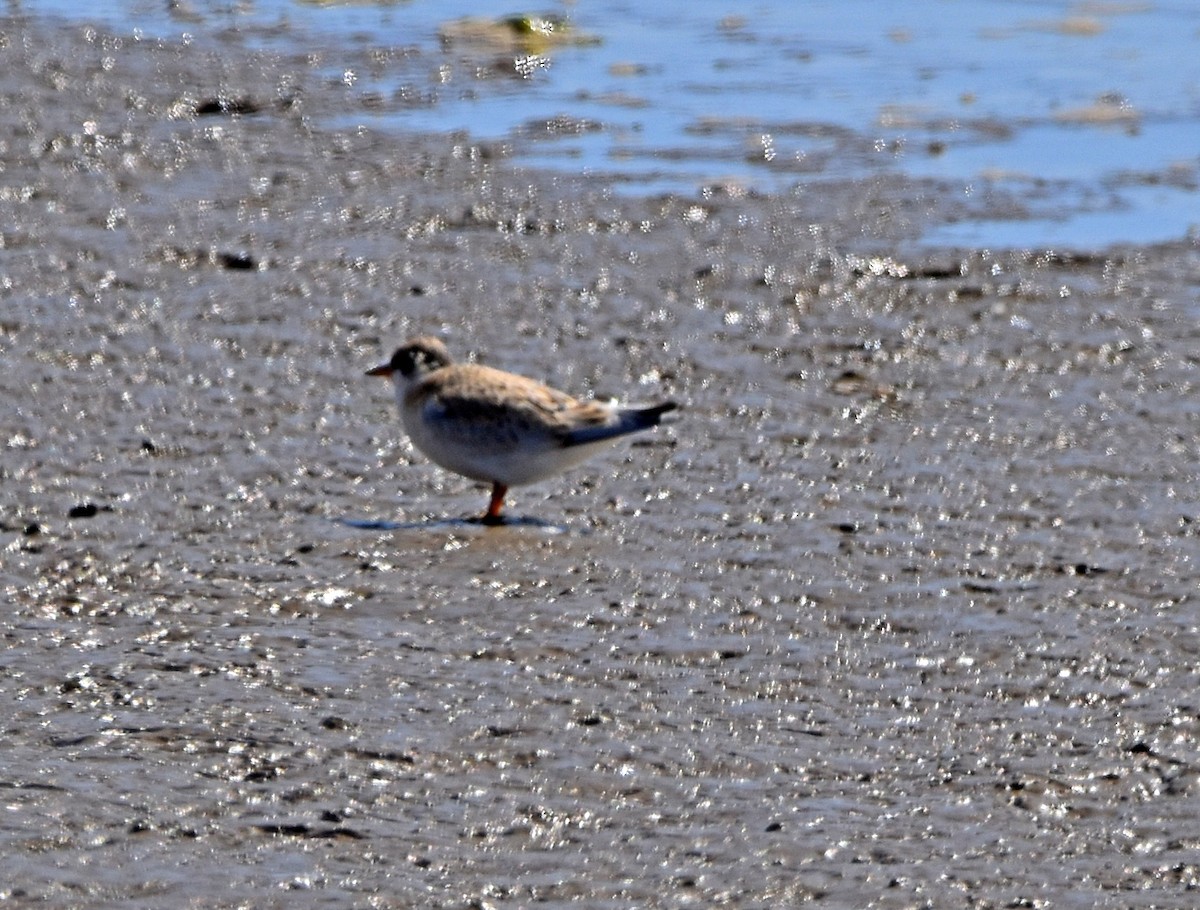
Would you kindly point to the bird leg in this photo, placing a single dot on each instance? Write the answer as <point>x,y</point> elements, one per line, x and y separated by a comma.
<point>492,516</point>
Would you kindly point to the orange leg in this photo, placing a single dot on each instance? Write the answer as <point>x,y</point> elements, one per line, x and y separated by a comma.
<point>493,517</point>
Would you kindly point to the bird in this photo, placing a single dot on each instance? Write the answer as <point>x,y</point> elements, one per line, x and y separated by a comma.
<point>497,427</point>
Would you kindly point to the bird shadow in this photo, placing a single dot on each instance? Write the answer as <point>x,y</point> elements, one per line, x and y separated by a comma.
<point>434,524</point>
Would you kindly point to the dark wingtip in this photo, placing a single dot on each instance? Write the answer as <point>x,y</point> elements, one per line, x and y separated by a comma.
<point>631,420</point>
<point>656,411</point>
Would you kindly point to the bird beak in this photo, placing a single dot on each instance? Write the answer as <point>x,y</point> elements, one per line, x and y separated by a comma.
<point>384,369</point>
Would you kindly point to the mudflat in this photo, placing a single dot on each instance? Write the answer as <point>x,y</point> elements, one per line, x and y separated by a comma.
<point>899,612</point>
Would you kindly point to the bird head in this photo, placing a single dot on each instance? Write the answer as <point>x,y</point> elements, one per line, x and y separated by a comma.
<point>414,360</point>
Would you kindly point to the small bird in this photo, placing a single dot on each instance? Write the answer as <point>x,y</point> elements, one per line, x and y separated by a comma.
<point>498,427</point>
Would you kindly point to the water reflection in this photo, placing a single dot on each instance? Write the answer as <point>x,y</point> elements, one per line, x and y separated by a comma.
<point>775,96</point>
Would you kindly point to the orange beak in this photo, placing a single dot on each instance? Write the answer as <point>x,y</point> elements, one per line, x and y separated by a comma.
<point>384,369</point>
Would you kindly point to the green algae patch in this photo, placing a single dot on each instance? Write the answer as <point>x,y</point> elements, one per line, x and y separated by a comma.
<point>519,33</point>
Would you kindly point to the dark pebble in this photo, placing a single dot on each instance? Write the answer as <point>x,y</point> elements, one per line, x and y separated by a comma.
<point>212,106</point>
<point>237,261</point>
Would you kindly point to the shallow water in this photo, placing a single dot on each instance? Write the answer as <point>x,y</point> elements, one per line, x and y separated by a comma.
<point>900,613</point>
<point>1067,108</point>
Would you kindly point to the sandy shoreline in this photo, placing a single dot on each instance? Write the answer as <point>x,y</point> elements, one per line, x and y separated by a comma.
<point>900,613</point>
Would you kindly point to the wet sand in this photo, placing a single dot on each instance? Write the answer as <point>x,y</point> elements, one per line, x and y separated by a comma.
<point>899,613</point>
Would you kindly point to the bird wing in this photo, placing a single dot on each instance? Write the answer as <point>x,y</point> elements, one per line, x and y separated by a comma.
<point>477,401</point>
<point>618,422</point>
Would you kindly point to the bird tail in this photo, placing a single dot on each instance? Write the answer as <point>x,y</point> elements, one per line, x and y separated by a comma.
<point>629,420</point>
